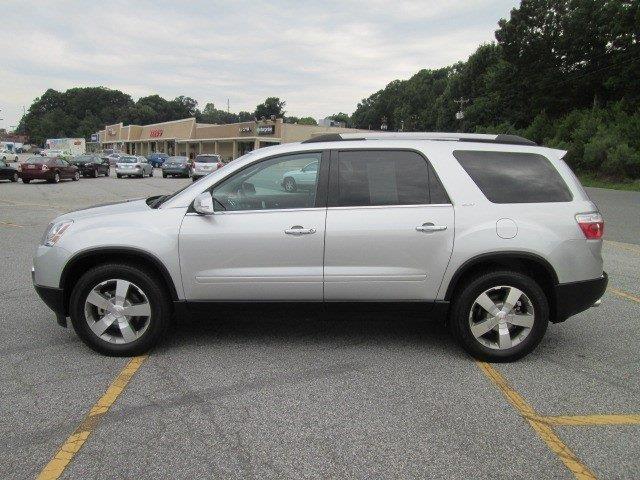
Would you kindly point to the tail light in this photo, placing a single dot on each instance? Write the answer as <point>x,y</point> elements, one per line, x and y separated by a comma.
<point>44,168</point>
<point>591,224</point>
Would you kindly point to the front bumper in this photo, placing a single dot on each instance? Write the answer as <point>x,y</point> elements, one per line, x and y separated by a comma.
<point>575,297</point>
<point>54,299</point>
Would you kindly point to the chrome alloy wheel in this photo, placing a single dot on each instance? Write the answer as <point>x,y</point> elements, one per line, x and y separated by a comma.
<point>117,311</point>
<point>501,317</point>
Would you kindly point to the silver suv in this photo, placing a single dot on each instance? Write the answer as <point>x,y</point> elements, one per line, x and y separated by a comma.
<point>490,233</point>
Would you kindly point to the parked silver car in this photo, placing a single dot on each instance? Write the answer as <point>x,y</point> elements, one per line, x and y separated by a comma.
<point>491,233</point>
<point>206,163</point>
<point>133,166</point>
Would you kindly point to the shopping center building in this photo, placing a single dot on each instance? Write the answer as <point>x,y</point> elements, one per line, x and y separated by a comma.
<point>189,138</point>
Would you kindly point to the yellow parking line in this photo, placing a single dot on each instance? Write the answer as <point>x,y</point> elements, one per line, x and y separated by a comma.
<point>587,420</point>
<point>544,431</point>
<point>623,294</point>
<point>74,443</point>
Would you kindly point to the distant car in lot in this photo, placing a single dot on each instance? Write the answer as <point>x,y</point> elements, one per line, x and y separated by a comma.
<point>52,153</point>
<point>8,156</point>
<point>113,158</point>
<point>177,166</point>
<point>133,166</point>
<point>157,159</point>
<point>302,178</point>
<point>206,163</point>
<point>91,165</point>
<point>8,173</point>
<point>50,169</point>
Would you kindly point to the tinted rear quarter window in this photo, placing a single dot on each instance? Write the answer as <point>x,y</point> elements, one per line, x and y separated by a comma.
<point>384,177</point>
<point>514,177</point>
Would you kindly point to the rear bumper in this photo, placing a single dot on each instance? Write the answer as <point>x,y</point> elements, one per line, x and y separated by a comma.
<point>176,171</point>
<point>575,297</point>
<point>35,175</point>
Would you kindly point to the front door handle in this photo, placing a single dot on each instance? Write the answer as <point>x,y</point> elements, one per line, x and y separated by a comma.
<point>299,230</point>
<point>430,227</point>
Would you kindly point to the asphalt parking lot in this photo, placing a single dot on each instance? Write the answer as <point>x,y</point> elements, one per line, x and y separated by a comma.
<point>307,398</point>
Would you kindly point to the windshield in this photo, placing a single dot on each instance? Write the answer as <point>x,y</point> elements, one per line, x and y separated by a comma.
<point>83,158</point>
<point>177,160</point>
<point>128,160</point>
<point>35,160</point>
<point>207,159</point>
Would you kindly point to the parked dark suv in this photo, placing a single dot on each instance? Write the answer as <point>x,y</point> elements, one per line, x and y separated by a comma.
<point>91,165</point>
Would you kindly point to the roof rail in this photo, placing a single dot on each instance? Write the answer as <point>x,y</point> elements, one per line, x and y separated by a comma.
<point>435,136</point>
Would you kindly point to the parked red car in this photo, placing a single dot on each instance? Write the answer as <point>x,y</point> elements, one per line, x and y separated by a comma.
<point>50,169</point>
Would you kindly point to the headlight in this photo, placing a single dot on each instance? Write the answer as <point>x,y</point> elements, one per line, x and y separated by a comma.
<point>54,232</point>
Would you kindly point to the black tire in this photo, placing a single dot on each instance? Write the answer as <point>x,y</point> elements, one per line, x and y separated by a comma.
<point>151,174</point>
<point>289,184</point>
<point>95,173</point>
<point>118,175</point>
<point>15,177</point>
<point>76,176</point>
<point>152,287</point>
<point>464,300</point>
<point>164,175</point>
<point>26,180</point>
<point>56,178</point>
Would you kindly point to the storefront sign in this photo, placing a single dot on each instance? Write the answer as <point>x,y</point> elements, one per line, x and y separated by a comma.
<point>156,132</point>
<point>94,137</point>
<point>245,130</point>
<point>266,129</point>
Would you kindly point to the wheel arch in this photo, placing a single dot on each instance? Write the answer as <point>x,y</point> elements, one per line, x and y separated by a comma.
<point>86,259</point>
<point>528,263</point>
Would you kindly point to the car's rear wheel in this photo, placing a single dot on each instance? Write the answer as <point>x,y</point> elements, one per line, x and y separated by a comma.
<point>26,180</point>
<point>119,310</point>
<point>164,175</point>
<point>118,175</point>
<point>15,177</point>
<point>499,316</point>
<point>95,173</point>
<point>76,176</point>
<point>151,173</point>
<point>289,184</point>
<point>56,178</point>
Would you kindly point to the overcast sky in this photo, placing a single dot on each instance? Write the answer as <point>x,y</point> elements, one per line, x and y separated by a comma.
<point>320,57</point>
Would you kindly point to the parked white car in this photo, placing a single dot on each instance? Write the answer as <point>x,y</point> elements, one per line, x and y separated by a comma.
<point>302,178</point>
<point>51,153</point>
<point>132,166</point>
<point>8,156</point>
<point>204,164</point>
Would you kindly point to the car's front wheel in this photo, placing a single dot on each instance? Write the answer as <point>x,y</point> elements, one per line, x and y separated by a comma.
<point>499,316</point>
<point>119,310</point>
<point>76,176</point>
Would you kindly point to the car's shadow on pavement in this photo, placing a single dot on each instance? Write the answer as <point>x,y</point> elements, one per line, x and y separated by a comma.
<point>314,331</point>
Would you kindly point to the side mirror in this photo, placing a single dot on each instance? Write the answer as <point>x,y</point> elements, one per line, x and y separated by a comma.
<point>203,204</point>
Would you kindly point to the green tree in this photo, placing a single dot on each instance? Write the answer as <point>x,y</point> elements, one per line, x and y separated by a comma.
<point>271,106</point>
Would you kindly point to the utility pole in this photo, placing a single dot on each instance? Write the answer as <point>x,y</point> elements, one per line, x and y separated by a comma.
<point>227,105</point>
<point>460,113</point>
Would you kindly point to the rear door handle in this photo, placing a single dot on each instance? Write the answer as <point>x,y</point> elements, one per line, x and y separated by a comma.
<point>299,230</point>
<point>430,227</point>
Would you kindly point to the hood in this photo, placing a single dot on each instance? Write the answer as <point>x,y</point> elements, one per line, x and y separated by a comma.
<point>133,205</point>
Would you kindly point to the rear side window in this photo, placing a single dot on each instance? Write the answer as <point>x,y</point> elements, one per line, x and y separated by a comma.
<point>514,177</point>
<point>372,177</point>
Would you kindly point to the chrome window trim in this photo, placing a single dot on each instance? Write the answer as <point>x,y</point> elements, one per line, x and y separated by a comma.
<point>266,210</point>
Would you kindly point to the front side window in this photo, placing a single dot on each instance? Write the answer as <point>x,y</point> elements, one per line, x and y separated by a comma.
<point>277,183</point>
<point>514,177</point>
<point>381,177</point>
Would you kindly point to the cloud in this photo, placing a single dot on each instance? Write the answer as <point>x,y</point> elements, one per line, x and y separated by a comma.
<point>320,57</point>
